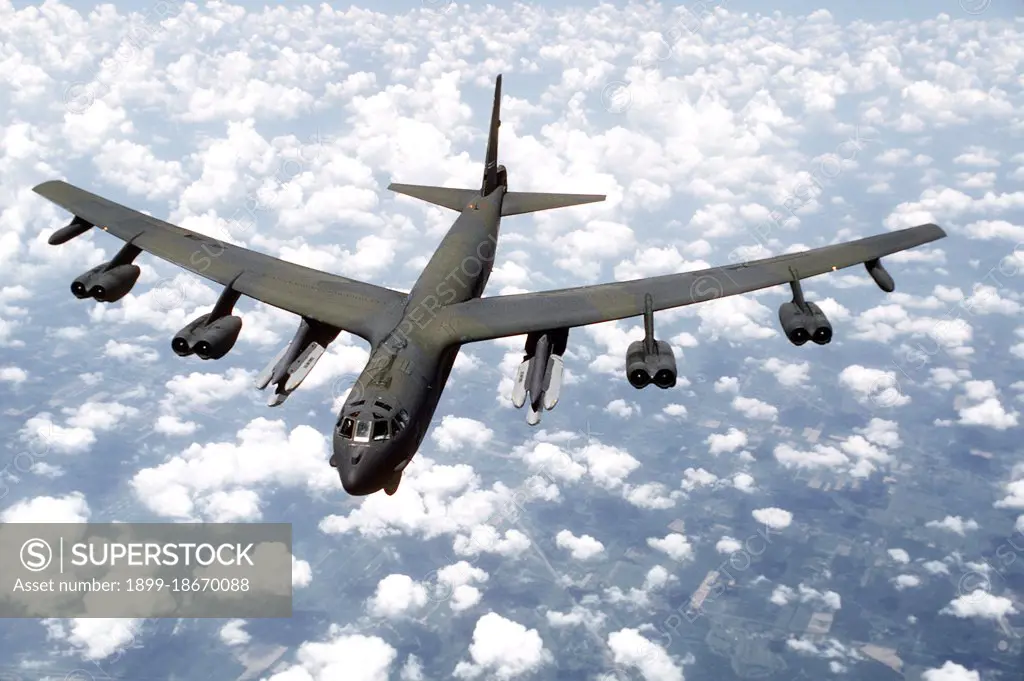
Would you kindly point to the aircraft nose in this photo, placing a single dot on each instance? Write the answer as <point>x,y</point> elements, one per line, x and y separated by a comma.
<point>352,480</point>
<point>356,475</point>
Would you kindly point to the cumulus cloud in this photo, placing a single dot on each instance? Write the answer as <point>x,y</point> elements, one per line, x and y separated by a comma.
<point>503,649</point>
<point>950,671</point>
<point>676,546</point>
<point>782,595</point>
<point>459,584</point>
<point>632,649</point>
<point>873,387</point>
<point>730,441</point>
<point>580,548</point>
<point>906,582</point>
<point>775,518</point>
<point>954,524</point>
<point>980,406</point>
<point>223,479</point>
<point>456,432</point>
<point>71,508</point>
<point>95,639</point>
<point>396,595</point>
<point>981,605</point>
<point>342,655</point>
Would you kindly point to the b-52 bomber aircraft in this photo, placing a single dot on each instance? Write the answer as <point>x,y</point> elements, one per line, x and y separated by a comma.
<point>415,337</point>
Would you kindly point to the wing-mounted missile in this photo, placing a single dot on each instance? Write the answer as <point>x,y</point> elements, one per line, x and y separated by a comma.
<point>650,360</point>
<point>553,381</point>
<point>111,281</point>
<point>292,365</point>
<point>538,379</point>
<point>802,320</point>
<point>264,377</point>
<point>519,386</point>
<point>880,275</point>
<point>212,335</point>
<point>303,364</point>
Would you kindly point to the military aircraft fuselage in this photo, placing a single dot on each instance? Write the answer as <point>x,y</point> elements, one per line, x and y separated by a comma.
<point>390,407</point>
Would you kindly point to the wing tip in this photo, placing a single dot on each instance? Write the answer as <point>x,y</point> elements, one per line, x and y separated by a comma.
<point>934,229</point>
<point>43,187</point>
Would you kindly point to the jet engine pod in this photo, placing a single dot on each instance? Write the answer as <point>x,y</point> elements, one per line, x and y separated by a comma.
<point>804,325</point>
<point>114,284</point>
<point>216,339</point>
<point>638,369</point>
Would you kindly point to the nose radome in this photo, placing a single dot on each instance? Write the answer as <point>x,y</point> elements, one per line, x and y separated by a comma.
<point>351,480</point>
<point>356,478</point>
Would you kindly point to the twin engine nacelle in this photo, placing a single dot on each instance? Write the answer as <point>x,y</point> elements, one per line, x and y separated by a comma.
<point>644,367</point>
<point>105,283</point>
<point>206,339</point>
<point>803,324</point>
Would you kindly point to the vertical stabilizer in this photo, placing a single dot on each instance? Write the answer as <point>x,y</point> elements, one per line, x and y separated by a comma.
<point>491,159</point>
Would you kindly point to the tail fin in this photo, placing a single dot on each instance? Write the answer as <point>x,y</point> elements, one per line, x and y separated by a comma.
<point>513,203</point>
<point>490,182</point>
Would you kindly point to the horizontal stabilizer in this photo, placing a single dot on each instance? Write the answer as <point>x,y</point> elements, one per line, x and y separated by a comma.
<point>446,197</point>
<point>517,203</point>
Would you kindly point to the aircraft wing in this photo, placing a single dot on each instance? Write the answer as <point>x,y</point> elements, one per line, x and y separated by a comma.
<point>337,301</point>
<point>501,316</point>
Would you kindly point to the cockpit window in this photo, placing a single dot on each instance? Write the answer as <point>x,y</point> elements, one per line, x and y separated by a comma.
<point>345,430</point>
<point>395,428</point>
<point>383,405</point>
<point>380,430</point>
<point>362,431</point>
<point>403,418</point>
